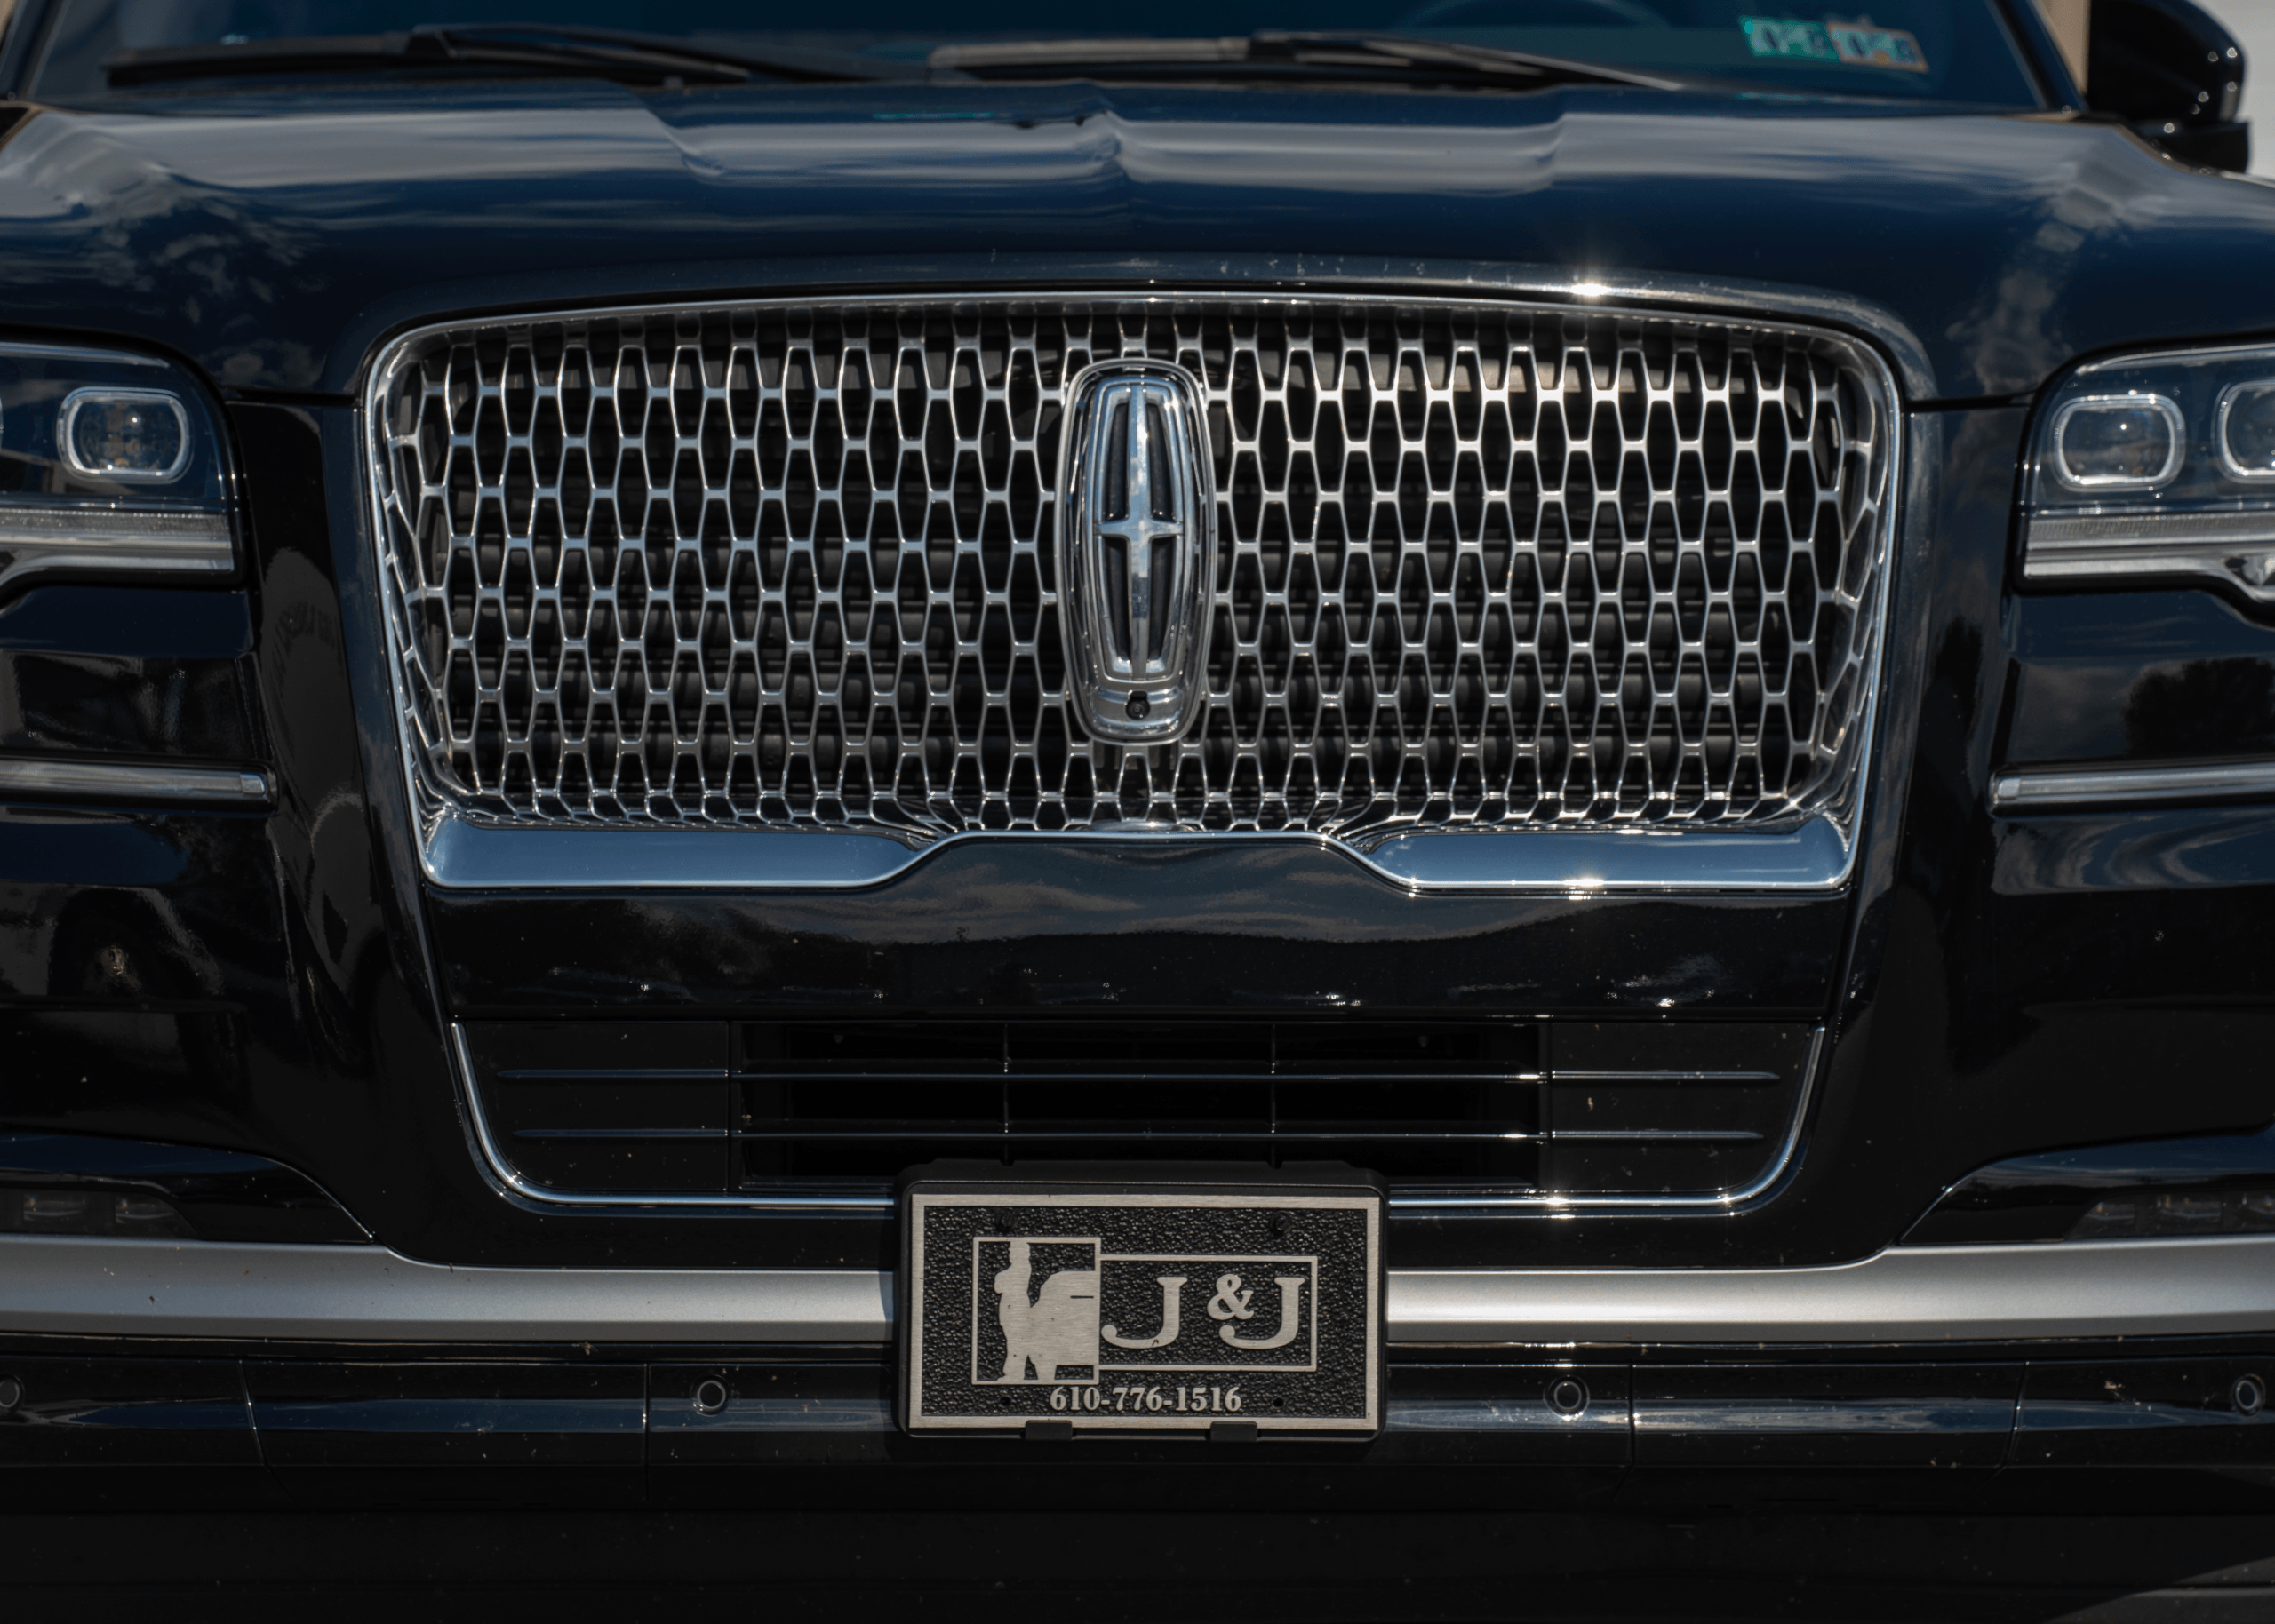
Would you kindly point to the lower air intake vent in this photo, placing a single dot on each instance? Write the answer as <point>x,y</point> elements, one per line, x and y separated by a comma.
<point>826,1112</point>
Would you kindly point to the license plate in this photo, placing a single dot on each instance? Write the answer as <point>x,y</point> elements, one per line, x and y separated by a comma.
<point>1124,1307</point>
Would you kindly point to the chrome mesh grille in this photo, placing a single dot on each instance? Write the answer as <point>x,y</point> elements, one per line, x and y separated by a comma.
<point>1481,564</point>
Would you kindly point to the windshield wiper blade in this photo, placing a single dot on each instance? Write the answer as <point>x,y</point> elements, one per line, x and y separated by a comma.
<point>1413,50</point>
<point>538,47</point>
<point>1278,51</point>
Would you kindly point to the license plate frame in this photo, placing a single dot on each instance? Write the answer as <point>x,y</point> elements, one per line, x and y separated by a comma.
<point>1255,1299</point>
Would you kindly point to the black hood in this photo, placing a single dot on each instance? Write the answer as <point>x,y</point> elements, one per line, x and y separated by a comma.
<point>273,239</point>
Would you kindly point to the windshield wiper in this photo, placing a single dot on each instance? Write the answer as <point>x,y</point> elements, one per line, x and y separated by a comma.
<point>539,48</point>
<point>1280,54</point>
<point>534,47</point>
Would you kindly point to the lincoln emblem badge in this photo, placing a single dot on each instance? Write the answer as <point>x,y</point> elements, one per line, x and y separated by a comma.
<point>1137,549</point>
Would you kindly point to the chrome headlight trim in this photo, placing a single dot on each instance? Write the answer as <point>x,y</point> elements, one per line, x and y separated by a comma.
<point>81,522</point>
<point>68,440</point>
<point>2163,406</point>
<point>2227,398</point>
<point>2205,517</point>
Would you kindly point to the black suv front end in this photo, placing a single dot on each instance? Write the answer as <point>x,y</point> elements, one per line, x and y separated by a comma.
<point>1689,692</point>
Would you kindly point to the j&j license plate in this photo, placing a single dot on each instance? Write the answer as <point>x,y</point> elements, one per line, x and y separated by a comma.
<point>1134,1310</point>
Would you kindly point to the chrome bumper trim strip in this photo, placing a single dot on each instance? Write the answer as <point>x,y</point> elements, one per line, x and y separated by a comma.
<point>466,856</point>
<point>102,1287</point>
<point>1904,1294</point>
<point>1813,857</point>
<point>132,782</point>
<point>460,854</point>
<point>99,1287</point>
<point>2030,788</point>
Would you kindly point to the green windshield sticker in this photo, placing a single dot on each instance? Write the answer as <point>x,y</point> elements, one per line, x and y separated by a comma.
<point>1785,36</point>
<point>1863,45</point>
<point>1859,44</point>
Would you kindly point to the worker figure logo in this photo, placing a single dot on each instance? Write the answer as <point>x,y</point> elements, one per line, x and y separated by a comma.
<point>1041,1301</point>
<point>1049,1315</point>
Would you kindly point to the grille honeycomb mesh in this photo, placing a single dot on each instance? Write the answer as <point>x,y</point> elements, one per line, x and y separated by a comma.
<point>1479,565</point>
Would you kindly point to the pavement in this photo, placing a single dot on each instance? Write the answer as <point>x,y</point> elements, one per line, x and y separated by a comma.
<point>1157,1567</point>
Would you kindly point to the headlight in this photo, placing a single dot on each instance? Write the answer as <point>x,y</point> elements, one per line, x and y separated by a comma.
<point>2159,465</point>
<point>110,467</point>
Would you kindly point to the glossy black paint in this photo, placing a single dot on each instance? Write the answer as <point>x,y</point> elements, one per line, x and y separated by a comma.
<point>549,1433</point>
<point>79,673</point>
<point>2212,856</point>
<point>2138,676</point>
<point>2146,1413</point>
<point>1989,1006</point>
<point>311,223</point>
<point>1930,1431</point>
<point>1994,1426</point>
<point>1069,923</point>
<point>101,1427</point>
<point>2064,1422</point>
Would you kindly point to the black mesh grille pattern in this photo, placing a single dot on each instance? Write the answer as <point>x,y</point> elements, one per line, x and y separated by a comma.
<point>1480,564</point>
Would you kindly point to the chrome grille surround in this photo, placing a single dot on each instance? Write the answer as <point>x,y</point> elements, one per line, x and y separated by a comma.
<point>789,565</point>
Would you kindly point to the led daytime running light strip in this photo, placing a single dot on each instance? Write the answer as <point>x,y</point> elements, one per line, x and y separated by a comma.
<point>2235,547</point>
<point>52,540</point>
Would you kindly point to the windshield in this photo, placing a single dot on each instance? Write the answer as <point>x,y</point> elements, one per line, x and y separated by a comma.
<point>1952,51</point>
